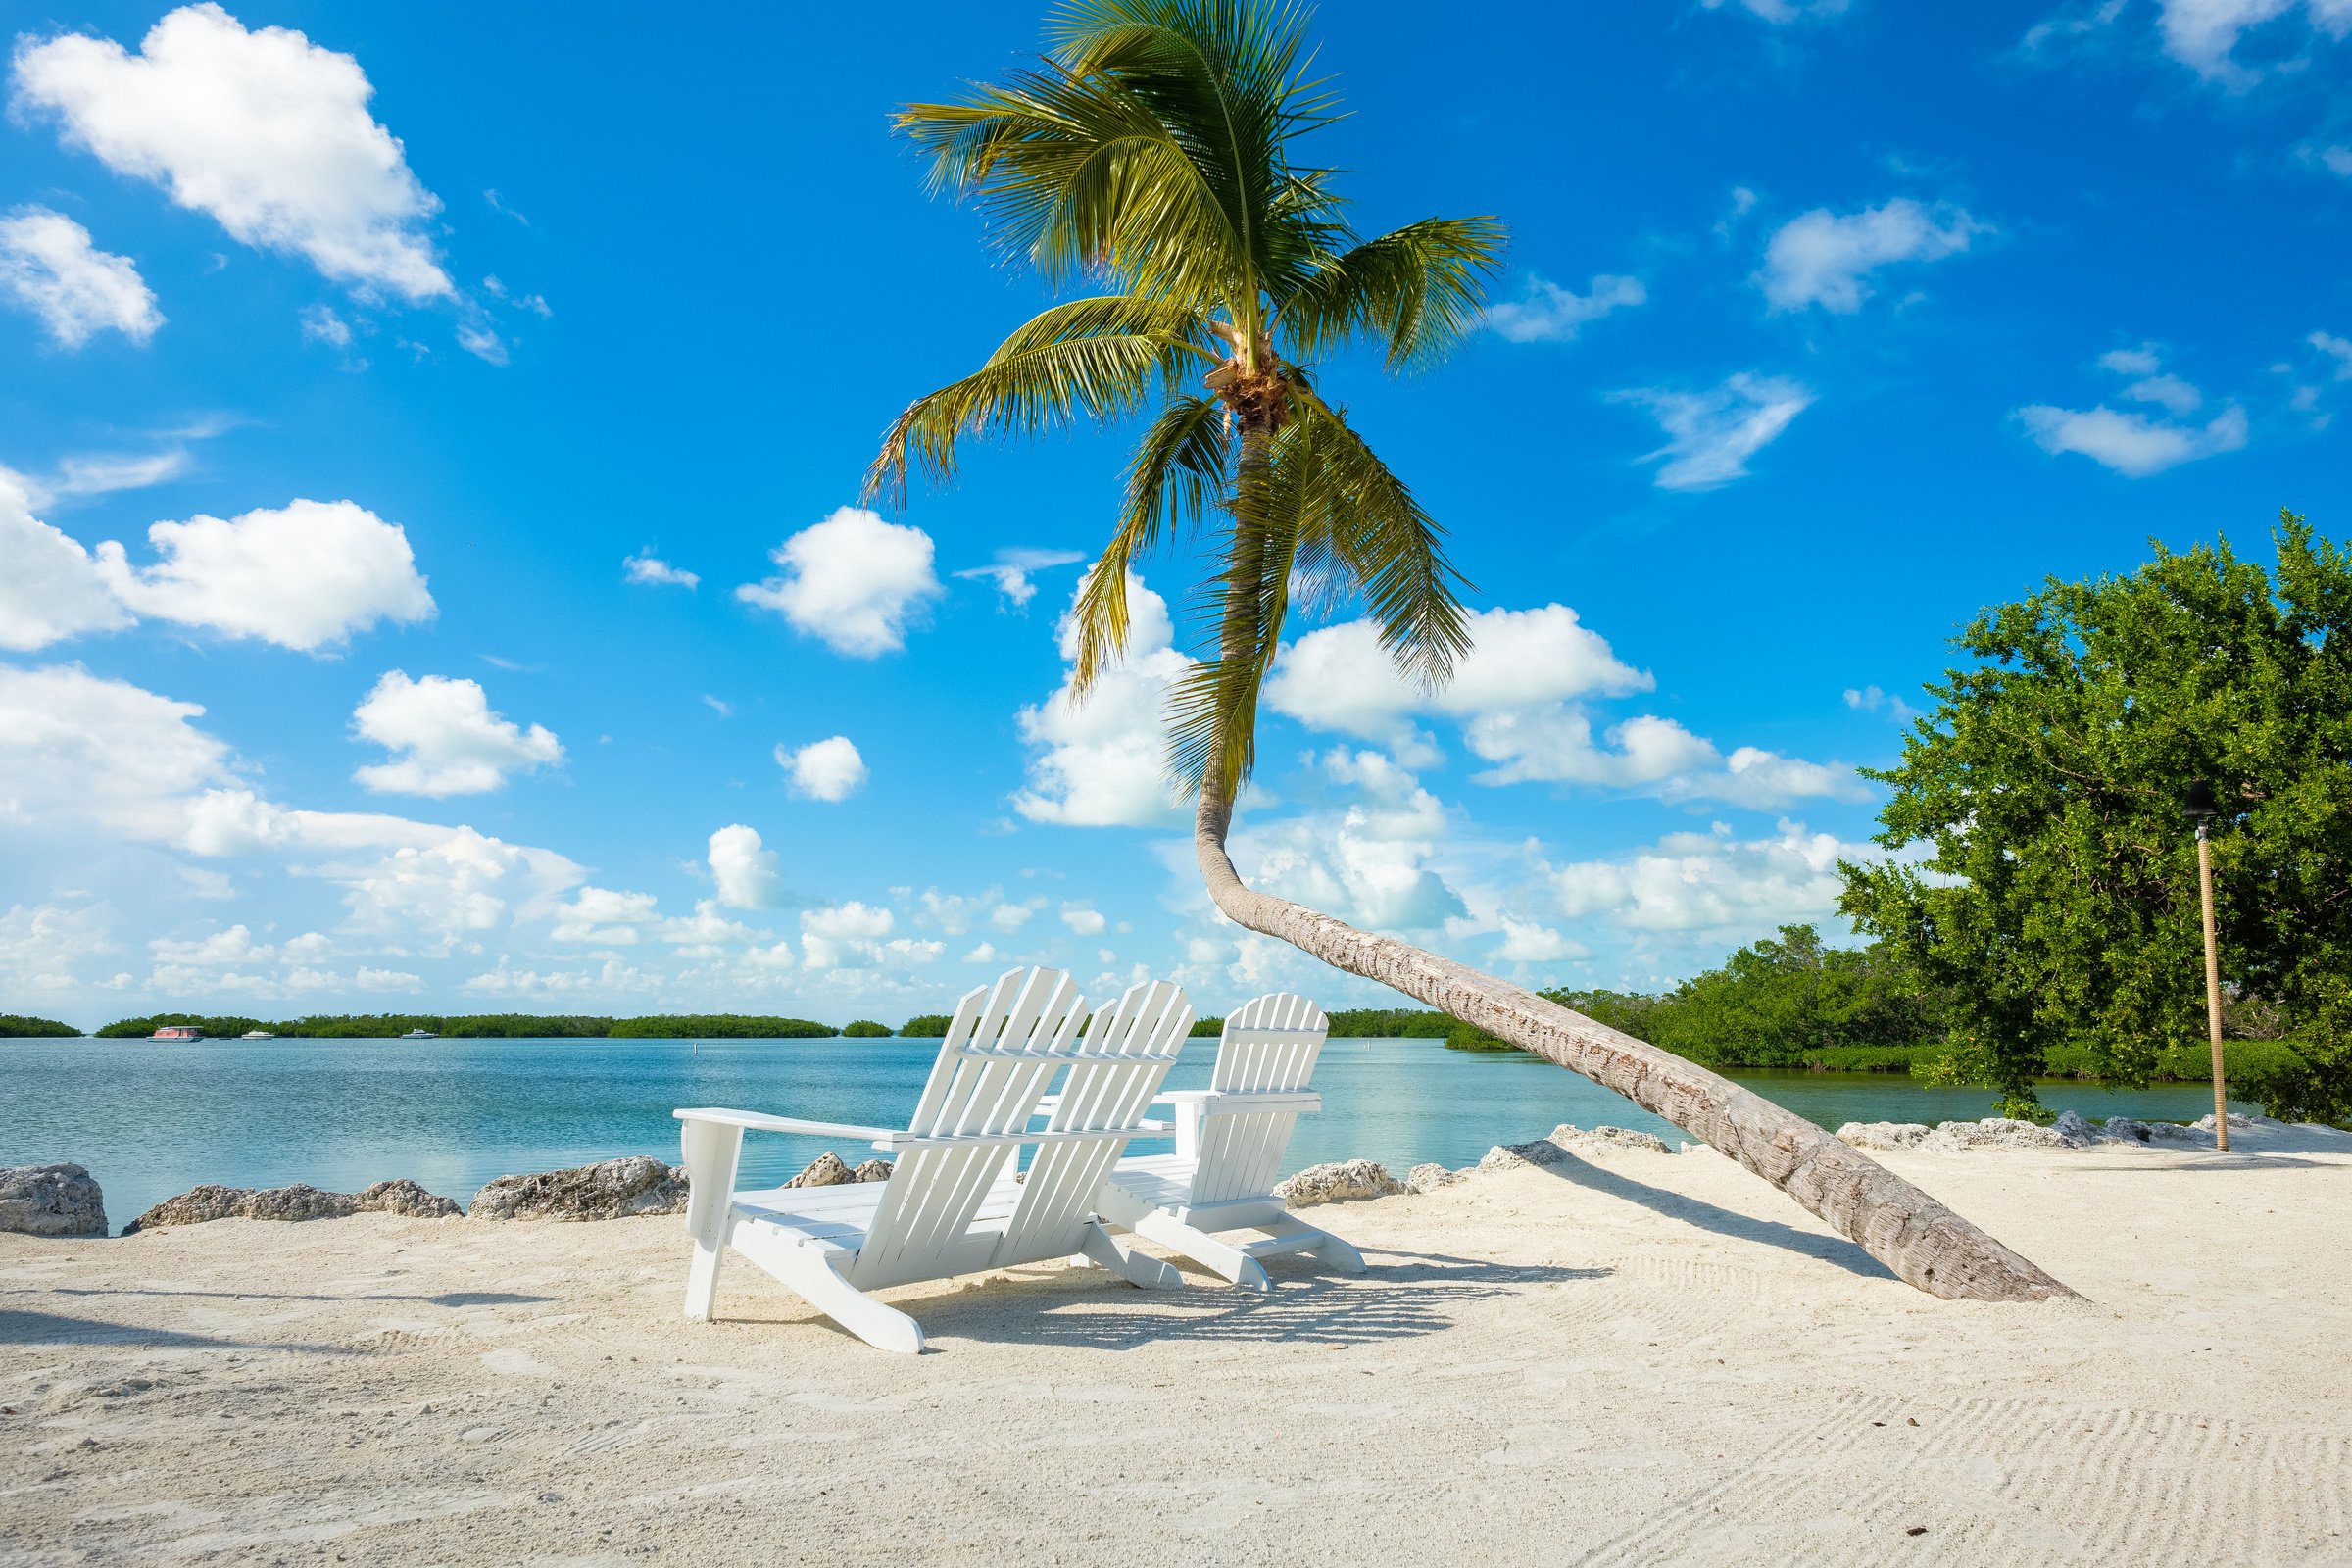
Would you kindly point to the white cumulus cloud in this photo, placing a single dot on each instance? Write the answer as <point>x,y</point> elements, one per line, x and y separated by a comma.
<point>1712,434</point>
<point>49,266</point>
<point>264,130</point>
<point>1546,312</point>
<point>308,574</point>
<point>1099,762</point>
<point>852,581</point>
<point>602,917</point>
<point>744,872</point>
<point>50,588</point>
<point>829,769</point>
<point>1824,257</point>
<point>444,738</point>
<point>1339,678</point>
<point>1712,882</point>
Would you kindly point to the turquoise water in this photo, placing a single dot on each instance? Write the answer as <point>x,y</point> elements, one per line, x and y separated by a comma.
<point>151,1120</point>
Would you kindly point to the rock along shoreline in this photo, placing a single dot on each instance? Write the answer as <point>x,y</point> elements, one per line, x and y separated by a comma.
<point>64,1200</point>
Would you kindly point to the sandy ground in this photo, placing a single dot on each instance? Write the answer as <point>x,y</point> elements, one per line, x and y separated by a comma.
<point>1630,1357</point>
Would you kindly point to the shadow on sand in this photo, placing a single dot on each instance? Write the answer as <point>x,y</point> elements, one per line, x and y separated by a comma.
<point>445,1299</point>
<point>1834,1250</point>
<point>49,1328</point>
<point>1402,1295</point>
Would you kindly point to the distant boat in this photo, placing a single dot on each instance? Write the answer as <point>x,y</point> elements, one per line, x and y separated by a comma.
<point>420,1034</point>
<point>257,1034</point>
<point>177,1031</point>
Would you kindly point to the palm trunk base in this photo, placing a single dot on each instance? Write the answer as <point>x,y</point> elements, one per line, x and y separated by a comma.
<point>1920,1240</point>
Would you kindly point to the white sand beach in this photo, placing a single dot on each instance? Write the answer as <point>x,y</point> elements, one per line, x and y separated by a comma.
<point>1626,1358</point>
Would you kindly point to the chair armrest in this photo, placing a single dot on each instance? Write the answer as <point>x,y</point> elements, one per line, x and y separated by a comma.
<point>1231,1102</point>
<point>761,1122</point>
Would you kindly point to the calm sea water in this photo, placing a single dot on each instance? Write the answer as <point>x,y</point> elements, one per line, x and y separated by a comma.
<point>151,1120</point>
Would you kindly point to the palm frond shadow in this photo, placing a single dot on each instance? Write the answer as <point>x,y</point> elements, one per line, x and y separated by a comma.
<point>1400,1296</point>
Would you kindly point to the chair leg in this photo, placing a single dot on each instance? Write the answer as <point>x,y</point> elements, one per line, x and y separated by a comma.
<point>1324,1246</point>
<point>709,1151</point>
<point>812,1274</point>
<point>1219,1258</point>
<point>1101,1247</point>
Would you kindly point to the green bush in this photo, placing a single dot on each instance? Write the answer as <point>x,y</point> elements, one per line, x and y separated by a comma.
<point>926,1026</point>
<point>865,1029</point>
<point>720,1026</point>
<point>17,1026</point>
<point>1467,1037</point>
<point>1207,1028</point>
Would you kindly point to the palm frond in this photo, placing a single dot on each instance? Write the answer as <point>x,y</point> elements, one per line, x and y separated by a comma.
<point>1212,708</point>
<point>1174,481</point>
<point>1420,290</point>
<point>1363,521</point>
<point>1021,392</point>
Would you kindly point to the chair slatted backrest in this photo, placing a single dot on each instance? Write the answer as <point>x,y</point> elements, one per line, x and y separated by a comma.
<point>1269,1047</point>
<point>1004,1045</point>
<point>1128,1049</point>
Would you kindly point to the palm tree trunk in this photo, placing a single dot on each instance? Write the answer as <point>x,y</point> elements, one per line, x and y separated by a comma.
<point>1922,1240</point>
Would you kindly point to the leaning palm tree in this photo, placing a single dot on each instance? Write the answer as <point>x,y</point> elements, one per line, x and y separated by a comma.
<point>1149,154</point>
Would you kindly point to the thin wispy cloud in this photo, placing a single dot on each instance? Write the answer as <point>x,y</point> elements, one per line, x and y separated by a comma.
<point>1712,434</point>
<point>1545,312</point>
<point>1014,572</point>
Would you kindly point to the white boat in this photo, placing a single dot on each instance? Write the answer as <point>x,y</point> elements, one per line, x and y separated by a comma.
<point>420,1034</point>
<point>177,1031</point>
<point>257,1034</point>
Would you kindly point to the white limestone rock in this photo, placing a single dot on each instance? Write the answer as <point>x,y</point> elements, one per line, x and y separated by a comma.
<point>826,1170</point>
<point>1621,1136</point>
<point>1510,1156</point>
<point>61,1200</point>
<point>611,1189</point>
<point>1429,1177</point>
<point>1884,1134</point>
<point>200,1205</point>
<point>1340,1182</point>
<point>876,1169</point>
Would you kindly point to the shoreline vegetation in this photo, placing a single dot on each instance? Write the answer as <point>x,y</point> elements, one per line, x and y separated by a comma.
<point>1786,1002</point>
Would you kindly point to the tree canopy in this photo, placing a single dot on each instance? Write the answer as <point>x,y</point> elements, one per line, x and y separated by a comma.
<point>2045,879</point>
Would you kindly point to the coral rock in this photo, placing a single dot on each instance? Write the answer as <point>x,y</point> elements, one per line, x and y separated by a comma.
<point>874,1170</point>
<point>1884,1134</point>
<point>1429,1178</point>
<point>1621,1136</point>
<point>51,1201</point>
<point>826,1170</point>
<point>199,1205</point>
<point>1338,1183</point>
<point>611,1189</point>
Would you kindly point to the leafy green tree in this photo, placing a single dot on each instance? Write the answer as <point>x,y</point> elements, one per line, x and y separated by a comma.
<point>2048,881</point>
<point>865,1029</point>
<point>1788,1001</point>
<point>720,1026</point>
<point>17,1026</point>
<point>926,1026</point>
<point>1157,152</point>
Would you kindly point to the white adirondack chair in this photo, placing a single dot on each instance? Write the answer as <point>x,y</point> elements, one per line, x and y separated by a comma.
<point>1229,1139</point>
<point>951,1204</point>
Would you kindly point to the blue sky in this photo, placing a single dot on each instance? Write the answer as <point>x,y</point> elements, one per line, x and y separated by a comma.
<point>349,358</point>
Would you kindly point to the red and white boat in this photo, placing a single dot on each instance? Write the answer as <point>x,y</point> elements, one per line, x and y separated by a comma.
<point>177,1031</point>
